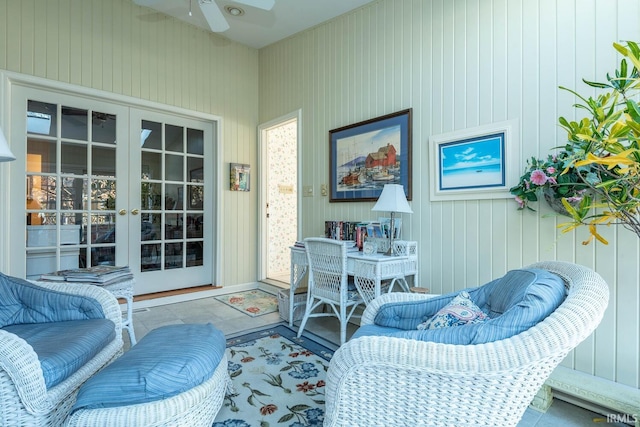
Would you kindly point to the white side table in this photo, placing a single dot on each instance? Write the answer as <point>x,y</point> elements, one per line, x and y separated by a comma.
<point>124,290</point>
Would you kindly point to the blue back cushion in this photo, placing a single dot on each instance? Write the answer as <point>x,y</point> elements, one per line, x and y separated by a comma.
<point>167,361</point>
<point>65,347</point>
<point>24,302</point>
<point>514,302</point>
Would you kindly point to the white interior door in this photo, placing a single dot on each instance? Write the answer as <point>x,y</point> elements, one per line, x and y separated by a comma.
<point>279,195</point>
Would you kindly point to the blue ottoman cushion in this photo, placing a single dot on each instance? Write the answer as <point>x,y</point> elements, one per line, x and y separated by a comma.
<point>166,362</point>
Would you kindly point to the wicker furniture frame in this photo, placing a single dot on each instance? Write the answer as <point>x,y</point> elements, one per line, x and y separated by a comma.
<point>24,399</point>
<point>382,381</point>
<point>196,407</point>
<point>328,283</point>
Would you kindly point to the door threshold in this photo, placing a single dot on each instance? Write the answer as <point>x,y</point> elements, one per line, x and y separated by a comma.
<point>276,283</point>
<point>174,292</point>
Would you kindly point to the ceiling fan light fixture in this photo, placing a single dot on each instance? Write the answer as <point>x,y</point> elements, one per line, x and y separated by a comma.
<point>234,10</point>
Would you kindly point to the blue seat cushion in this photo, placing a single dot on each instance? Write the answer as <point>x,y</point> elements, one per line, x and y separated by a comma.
<point>167,361</point>
<point>24,302</point>
<point>514,303</point>
<point>65,347</point>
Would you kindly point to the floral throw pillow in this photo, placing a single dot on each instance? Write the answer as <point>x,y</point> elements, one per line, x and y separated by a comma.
<point>460,311</point>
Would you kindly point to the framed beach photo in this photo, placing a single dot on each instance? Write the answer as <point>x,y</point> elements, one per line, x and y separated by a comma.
<point>476,163</point>
<point>365,156</point>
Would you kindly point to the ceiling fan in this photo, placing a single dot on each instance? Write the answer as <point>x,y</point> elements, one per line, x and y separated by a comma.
<point>211,11</point>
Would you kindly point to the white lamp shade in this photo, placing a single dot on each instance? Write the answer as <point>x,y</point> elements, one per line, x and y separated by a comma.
<point>392,199</point>
<point>5,153</point>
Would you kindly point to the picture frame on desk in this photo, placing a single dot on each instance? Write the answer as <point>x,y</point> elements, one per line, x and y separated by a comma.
<point>365,156</point>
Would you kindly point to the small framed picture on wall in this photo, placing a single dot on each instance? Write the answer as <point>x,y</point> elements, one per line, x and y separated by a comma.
<point>239,177</point>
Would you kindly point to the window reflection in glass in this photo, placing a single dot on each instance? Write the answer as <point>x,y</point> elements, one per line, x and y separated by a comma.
<point>173,255</point>
<point>103,161</point>
<point>195,141</point>
<point>150,196</point>
<point>74,123</point>
<point>103,194</point>
<point>174,139</point>
<point>73,194</point>
<point>103,127</point>
<point>174,170</point>
<point>151,165</point>
<point>151,135</point>
<point>173,226</point>
<point>73,158</point>
<point>194,254</point>
<point>41,118</point>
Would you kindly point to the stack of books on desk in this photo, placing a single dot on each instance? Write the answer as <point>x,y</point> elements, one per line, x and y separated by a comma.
<point>101,275</point>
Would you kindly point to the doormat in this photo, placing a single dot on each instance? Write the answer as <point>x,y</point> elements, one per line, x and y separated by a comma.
<point>253,303</point>
<point>278,379</point>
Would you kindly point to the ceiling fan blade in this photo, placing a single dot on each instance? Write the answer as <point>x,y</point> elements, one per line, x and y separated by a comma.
<point>214,16</point>
<point>260,4</point>
<point>145,2</point>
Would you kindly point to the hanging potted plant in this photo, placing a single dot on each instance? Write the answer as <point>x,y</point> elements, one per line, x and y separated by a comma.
<point>596,175</point>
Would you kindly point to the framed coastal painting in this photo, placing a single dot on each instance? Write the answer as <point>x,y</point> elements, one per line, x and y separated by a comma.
<point>365,156</point>
<point>476,163</point>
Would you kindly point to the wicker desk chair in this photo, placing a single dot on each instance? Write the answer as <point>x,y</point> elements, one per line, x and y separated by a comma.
<point>383,381</point>
<point>24,398</point>
<point>328,283</point>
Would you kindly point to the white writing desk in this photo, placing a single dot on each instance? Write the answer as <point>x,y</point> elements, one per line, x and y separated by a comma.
<point>368,271</point>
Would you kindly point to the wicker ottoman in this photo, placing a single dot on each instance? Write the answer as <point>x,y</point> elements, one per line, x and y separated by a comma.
<point>175,376</point>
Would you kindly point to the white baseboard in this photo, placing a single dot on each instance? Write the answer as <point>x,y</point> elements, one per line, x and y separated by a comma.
<point>618,401</point>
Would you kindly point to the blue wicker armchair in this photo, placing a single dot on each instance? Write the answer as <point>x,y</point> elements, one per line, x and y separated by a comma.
<point>401,378</point>
<point>53,337</point>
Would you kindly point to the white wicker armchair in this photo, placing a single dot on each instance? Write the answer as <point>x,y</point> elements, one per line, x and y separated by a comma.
<point>384,381</point>
<point>24,398</point>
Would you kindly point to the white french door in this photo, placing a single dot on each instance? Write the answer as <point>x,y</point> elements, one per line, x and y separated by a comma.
<point>171,202</point>
<point>100,182</point>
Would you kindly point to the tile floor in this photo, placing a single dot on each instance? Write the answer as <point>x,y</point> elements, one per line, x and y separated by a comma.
<point>230,321</point>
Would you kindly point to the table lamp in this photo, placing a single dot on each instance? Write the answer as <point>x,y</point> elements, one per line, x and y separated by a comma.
<point>5,153</point>
<point>392,200</point>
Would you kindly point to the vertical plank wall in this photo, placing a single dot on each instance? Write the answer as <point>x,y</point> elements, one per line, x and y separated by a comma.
<point>461,64</point>
<point>118,47</point>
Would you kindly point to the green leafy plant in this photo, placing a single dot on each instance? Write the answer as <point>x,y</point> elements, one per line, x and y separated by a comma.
<point>600,163</point>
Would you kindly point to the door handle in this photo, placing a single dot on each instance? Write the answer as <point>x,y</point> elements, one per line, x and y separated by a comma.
<point>134,211</point>
<point>122,212</point>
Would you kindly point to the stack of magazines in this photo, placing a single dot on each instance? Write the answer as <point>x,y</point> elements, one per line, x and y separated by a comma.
<point>98,275</point>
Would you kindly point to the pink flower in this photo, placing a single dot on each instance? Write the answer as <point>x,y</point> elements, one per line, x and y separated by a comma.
<point>551,170</point>
<point>520,202</point>
<point>552,180</point>
<point>538,177</point>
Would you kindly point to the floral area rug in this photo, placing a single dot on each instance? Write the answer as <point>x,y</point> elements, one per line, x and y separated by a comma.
<point>278,380</point>
<point>253,303</point>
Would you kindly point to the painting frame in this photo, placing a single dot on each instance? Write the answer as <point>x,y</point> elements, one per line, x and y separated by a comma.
<point>475,163</point>
<point>239,177</point>
<point>363,157</point>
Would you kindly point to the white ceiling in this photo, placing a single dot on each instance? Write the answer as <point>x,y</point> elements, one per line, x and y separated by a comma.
<point>258,28</point>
